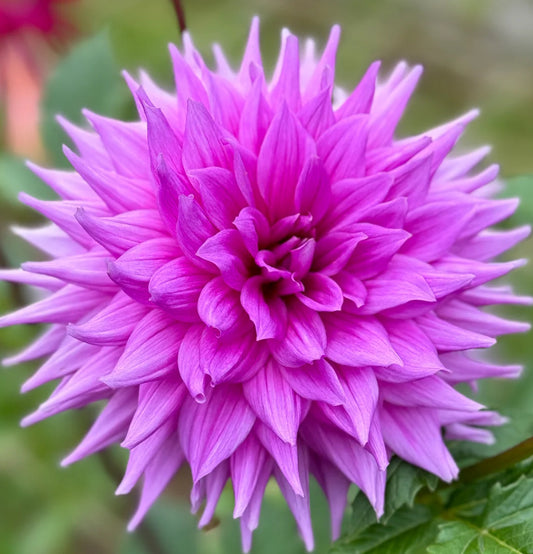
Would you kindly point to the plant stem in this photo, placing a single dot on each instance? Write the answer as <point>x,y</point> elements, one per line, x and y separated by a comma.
<point>501,461</point>
<point>180,14</point>
<point>147,535</point>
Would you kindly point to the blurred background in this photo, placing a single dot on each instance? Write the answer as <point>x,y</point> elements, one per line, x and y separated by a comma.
<point>476,53</point>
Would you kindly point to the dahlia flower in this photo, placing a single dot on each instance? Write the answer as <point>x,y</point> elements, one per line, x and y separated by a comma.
<point>36,15</point>
<point>259,280</point>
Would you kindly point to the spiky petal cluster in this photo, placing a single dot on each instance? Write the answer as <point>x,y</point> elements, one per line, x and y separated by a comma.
<point>264,282</point>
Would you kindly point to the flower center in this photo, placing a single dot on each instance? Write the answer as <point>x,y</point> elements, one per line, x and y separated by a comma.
<point>288,258</point>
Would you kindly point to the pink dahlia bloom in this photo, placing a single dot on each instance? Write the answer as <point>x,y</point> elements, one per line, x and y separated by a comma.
<point>37,15</point>
<point>261,281</point>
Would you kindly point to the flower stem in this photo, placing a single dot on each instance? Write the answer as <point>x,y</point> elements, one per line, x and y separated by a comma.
<point>180,14</point>
<point>146,534</point>
<point>501,461</point>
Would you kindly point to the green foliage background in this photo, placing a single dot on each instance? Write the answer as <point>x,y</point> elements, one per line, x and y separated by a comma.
<point>476,53</point>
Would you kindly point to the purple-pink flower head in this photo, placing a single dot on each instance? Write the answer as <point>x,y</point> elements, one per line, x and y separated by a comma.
<point>262,281</point>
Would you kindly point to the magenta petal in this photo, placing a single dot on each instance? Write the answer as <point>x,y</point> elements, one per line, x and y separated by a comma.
<point>33,279</point>
<point>418,353</point>
<point>108,428</point>
<point>396,286</point>
<point>162,140</point>
<point>226,250</point>
<point>361,397</point>
<point>317,381</point>
<point>159,471</point>
<point>219,307</point>
<point>358,341</point>
<point>351,199</point>
<point>69,356</point>
<point>387,116</point>
<point>255,119</point>
<point>124,142</point>
<point>447,337</point>
<point>284,454</point>
<point>188,363</point>
<point>171,187</point>
<point>414,434</point>
<point>430,392</point>
<point>288,143</point>
<point>211,432</point>
<point>246,464</point>
<point>156,332</point>
<point>159,402</point>
<point>252,53</point>
<point>50,239</point>
<point>434,228</point>
<point>342,148</point>
<point>66,305</point>
<point>203,142</point>
<point>85,270</point>
<point>227,361</point>
<point>287,87</point>
<point>334,250</point>
<point>134,269</point>
<point>188,86</point>
<point>335,486</point>
<point>111,326</point>
<point>351,459</point>
<point>193,228</point>
<point>220,194</point>
<point>299,504</point>
<point>305,340</point>
<point>142,454</point>
<point>254,228</point>
<point>274,401</point>
<point>470,317</point>
<point>360,100</point>
<point>176,286</point>
<point>122,231</point>
<point>312,193</point>
<point>326,63</point>
<point>317,114</point>
<point>373,254</point>
<point>321,293</point>
<point>268,315</point>
<point>214,484</point>
<point>61,212</point>
<point>45,344</point>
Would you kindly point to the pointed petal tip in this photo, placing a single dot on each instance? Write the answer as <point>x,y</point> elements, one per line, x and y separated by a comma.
<point>32,418</point>
<point>68,460</point>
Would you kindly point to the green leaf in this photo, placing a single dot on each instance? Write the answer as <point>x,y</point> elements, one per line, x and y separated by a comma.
<point>404,481</point>
<point>505,525</point>
<point>408,530</point>
<point>87,78</point>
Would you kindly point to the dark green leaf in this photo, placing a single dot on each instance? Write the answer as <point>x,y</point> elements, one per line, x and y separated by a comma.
<point>404,481</point>
<point>408,531</point>
<point>505,525</point>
